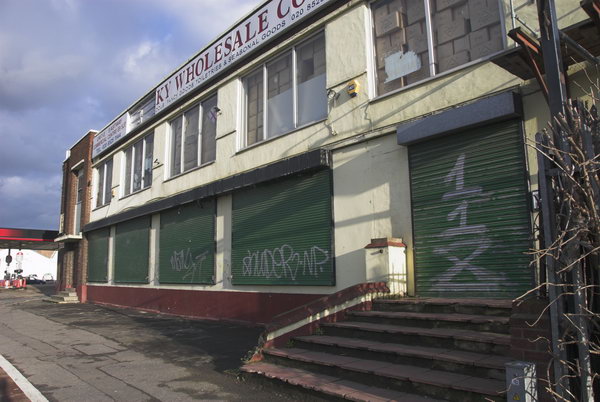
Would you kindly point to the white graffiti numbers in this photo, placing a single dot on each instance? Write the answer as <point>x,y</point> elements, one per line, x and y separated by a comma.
<point>185,261</point>
<point>285,262</point>
<point>477,242</point>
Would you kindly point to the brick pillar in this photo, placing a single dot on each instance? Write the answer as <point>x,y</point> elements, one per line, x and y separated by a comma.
<point>530,338</point>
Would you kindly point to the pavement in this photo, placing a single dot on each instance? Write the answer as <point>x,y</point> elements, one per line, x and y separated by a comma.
<point>75,352</point>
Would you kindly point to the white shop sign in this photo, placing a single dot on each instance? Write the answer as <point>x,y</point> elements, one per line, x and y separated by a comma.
<point>107,137</point>
<point>265,24</point>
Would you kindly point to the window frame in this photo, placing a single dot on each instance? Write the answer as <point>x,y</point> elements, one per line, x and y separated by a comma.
<point>375,94</point>
<point>130,152</point>
<point>170,156</point>
<point>79,196</point>
<point>263,67</point>
<point>102,176</point>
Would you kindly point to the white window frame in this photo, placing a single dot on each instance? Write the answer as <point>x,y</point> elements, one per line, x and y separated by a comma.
<point>131,173</point>
<point>169,148</point>
<point>78,211</point>
<point>102,170</point>
<point>243,143</point>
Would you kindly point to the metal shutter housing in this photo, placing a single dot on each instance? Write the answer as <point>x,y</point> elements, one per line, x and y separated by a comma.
<point>98,255</point>
<point>187,244</point>
<point>470,215</point>
<point>132,248</point>
<point>282,232</point>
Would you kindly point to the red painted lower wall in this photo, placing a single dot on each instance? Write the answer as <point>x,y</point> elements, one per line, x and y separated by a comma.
<point>244,306</point>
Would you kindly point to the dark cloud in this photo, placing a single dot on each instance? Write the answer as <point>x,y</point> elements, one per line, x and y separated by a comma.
<point>68,66</point>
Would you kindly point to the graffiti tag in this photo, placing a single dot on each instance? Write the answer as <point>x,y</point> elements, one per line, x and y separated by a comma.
<point>188,263</point>
<point>285,262</point>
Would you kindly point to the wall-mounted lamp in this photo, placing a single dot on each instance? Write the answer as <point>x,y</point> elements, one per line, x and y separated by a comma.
<point>353,87</point>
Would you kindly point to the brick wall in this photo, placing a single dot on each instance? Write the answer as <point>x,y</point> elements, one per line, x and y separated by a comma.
<point>73,264</point>
<point>530,338</point>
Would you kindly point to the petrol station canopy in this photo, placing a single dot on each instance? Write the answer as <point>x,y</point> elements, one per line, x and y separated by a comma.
<point>28,239</point>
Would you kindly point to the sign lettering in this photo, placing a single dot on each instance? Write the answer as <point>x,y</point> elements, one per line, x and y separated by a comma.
<point>262,26</point>
<point>267,23</point>
<point>107,137</point>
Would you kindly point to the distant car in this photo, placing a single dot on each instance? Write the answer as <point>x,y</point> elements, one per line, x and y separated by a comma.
<point>33,279</point>
<point>48,278</point>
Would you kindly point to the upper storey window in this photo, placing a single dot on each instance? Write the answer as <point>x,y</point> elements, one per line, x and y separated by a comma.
<point>287,92</point>
<point>141,112</point>
<point>416,39</point>
<point>79,200</point>
<point>193,137</point>
<point>138,165</point>
<point>104,180</point>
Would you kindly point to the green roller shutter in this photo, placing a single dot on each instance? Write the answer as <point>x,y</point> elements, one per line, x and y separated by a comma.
<point>470,214</point>
<point>98,255</point>
<point>187,244</point>
<point>282,232</point>
<point>132,246</point>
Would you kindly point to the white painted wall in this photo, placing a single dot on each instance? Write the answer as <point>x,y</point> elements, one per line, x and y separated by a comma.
<point>370,171</point>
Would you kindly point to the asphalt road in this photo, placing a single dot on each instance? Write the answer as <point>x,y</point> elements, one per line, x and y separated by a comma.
<point>84,352</point>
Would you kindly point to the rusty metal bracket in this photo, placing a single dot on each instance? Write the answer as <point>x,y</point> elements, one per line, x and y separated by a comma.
<point>531,53</point>
<point>592,8</point>
<point>580,50</point>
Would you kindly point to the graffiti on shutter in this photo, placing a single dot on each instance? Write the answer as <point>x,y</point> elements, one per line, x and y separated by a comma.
<point>282,232</point>
<point>285,262</point>
<point>477,241</point>
<point>470,214</point>
<point>187,243</point>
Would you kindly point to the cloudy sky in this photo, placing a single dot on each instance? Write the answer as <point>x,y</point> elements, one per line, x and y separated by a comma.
<point>68,66</point>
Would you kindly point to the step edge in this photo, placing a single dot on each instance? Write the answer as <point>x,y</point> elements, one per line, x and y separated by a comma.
<point>446,302</point>
<point>440,384</point>
<point>247,369</point>
<point>502,339</point>
<point>440,356</point>
<point>429,316</point>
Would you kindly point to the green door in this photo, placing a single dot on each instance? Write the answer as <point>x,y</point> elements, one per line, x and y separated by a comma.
<point>98,255</point>
<point>187,244</point>
<point>132,251</point>
<point>282,232</point>
<point>470,214</point>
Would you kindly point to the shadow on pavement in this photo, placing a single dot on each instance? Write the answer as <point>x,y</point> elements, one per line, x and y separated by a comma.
<point>47,289</point>
<point>189,342</point>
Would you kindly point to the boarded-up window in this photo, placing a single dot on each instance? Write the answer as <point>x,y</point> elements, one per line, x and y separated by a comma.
<point>460,31</point>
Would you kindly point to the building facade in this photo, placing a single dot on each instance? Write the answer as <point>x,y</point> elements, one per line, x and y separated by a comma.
<point>75,208</point>
<point>250,181</point>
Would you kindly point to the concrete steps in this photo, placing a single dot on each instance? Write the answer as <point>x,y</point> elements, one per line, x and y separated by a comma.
<point>330,386</point>
<point>66,296</point>
<point>466,340</point>
<point>429,357</point>
<point>429,320</point>
<point>432,349</point>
